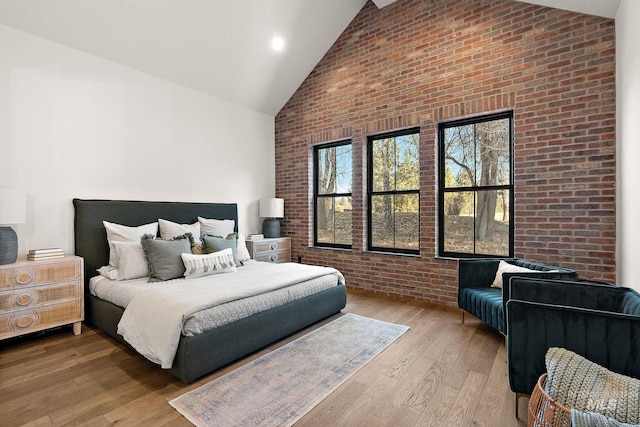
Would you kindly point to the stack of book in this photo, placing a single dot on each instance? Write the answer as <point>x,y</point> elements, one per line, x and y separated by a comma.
<point>254,237</point>
<point>36,254</point>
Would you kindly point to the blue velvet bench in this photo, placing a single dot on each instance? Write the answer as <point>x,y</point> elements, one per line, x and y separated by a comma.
<point>477,297</point>
<point>597,321</point>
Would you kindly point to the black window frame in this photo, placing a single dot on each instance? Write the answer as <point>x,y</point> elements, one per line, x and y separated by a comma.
<point>316,195</point>
<point>442,190</point>
<point>371,193</point>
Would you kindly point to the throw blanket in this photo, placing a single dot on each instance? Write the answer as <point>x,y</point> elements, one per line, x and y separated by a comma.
<point>152,322</point>
<point>592,419</point>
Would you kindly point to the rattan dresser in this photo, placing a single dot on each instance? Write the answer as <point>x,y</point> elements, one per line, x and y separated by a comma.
<point>37,295</point>
<point>274,250</point>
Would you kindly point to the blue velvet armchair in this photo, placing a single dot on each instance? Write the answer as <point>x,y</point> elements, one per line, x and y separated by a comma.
<point>597,321</point>
<point>477,297</point>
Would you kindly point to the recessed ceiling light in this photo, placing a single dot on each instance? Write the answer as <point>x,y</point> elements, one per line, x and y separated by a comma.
<point>277,43</point>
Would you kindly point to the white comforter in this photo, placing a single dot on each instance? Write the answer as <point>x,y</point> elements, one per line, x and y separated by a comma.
<point>152,322</point>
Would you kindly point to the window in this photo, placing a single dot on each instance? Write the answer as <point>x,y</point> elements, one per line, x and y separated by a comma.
<point>332,195</point>
<point>393,192</point>
<point>476,187</point>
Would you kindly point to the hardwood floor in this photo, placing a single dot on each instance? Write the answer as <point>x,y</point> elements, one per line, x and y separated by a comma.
<point>440,373</point>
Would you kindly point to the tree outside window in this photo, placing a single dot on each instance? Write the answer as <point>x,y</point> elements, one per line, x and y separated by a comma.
<point>332,195</point>
<point>476,187</point>
<point>394,196</point>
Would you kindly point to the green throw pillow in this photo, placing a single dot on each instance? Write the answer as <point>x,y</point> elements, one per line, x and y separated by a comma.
<point>212,244</point>
<point>164,257</point>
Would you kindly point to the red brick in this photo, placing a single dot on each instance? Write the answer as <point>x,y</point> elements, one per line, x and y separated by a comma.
<point>415,63</point>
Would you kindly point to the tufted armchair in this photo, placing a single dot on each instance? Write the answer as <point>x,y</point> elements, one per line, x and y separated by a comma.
<point>477,297</point>
<point>597,321</point>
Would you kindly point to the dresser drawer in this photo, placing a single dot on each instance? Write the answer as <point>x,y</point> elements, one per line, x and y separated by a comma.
<point>271,245</point>
<point>32,274</point>
<point>36,296</point>
<point>35,319</point>
<point>275,256</point>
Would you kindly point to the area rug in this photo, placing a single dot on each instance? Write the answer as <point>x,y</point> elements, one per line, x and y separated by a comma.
<point>280,387</point>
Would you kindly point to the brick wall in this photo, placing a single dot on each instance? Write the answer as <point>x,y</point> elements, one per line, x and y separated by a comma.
<point>416,63</point>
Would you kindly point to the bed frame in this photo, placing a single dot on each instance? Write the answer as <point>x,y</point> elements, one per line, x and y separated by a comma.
<point>203,353</point>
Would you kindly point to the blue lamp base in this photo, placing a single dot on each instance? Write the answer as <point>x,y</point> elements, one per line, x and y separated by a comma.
<point>271,227</point>
<point>8,245</point>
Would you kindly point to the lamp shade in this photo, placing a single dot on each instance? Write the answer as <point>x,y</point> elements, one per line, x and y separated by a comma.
<point>13,205</point>
<point>272,208</point>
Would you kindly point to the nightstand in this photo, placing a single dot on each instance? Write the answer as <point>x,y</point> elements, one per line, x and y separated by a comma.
<point>270,250</point>
<point>38,295</point>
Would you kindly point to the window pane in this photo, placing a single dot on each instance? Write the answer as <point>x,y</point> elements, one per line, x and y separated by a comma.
<point>407,221</point>
<point>384,164</point>
<point>407,164</point>
<point>325,220</point>
<point>343,220</point>
<point>334,169</point>
<point>459,161</point>
<point>487,223</point>
<point>492,223</point>
<point>382,221</point>
<point>326,178</point>
<point>327,170</point>
<point>458,222</point>
<point>492,152</point>
<point>343,169</point>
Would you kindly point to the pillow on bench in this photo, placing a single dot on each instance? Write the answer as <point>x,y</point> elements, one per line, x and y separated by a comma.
<point>505,267</point>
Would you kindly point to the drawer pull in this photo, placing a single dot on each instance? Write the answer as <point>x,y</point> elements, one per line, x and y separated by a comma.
<point>24,321</point>
<point>274,257</point>
<point>24,299</point>
<point>23,278</point>
<point>274,246</point>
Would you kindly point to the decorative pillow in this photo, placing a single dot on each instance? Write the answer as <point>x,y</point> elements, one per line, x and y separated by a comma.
<point>205,265</point>
<point>164,256</point>
<point>578,383</point>
<point>212,244</point>
<point>169,230</point>
<point>235,241</point>
<point>124,233</point>
<point>130,260</point>
<point>242,253</point>
<point>216,227</point>
<point>505,267</point>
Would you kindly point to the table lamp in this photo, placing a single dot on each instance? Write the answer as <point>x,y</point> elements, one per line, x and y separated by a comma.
<point>271,210</point>
<point>13,205</point>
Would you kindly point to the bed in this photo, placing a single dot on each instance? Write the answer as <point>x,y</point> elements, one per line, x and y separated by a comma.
<point>204,352</point>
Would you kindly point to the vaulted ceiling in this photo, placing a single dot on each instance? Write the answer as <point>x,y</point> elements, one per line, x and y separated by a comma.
<point>220,47</point>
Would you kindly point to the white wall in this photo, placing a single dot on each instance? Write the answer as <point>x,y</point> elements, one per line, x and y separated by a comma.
<point>628,143</point>
<point>74,125</point>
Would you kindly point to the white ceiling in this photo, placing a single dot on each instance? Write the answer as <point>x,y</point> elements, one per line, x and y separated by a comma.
<point>220,47</point>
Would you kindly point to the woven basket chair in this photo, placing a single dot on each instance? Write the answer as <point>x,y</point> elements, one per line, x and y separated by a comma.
<point>544,411</point>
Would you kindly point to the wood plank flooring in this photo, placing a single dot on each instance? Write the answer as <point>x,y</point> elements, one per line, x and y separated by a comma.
<point>440,373</point>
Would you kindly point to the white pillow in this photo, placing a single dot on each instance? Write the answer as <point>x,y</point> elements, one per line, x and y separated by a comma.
<point>170,230</point>
<point>505,267</point>
<point>216,227</point>
<point>124,233</point>
<point>205,265</point>
<point>130,260</point>
<point>242,253</point>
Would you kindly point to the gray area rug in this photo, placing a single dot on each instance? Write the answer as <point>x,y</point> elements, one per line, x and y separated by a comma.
<point>280,387</point>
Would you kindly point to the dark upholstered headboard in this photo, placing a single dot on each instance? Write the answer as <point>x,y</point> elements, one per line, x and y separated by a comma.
<point>91,238</point>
